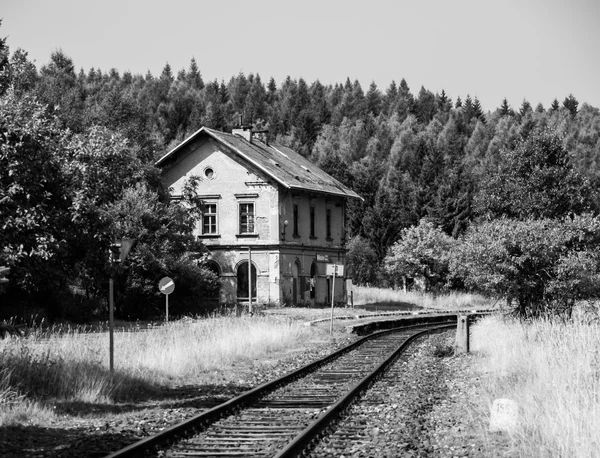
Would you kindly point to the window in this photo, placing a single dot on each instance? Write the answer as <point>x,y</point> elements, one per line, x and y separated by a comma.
<point>312,222</point>
<point>296,233</point>
<point>209,173</point>
<point>328,224</point>
<point>247,218</point>
<point>209,219</point>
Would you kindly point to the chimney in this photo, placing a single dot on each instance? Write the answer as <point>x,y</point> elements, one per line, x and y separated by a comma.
<point>262,135</point>
<point>243,131</point>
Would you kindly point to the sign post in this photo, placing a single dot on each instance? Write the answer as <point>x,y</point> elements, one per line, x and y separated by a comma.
<point>333,270</point>
<point>166,286</point>
<point>117,253</point>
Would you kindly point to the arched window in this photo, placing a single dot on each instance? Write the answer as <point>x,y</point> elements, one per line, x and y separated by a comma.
<point>214,268</point>
<point>242,281</point>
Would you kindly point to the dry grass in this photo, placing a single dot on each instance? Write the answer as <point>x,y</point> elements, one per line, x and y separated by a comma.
<point>552,370</point>
<point>72,366</point>
<point>448,301</point>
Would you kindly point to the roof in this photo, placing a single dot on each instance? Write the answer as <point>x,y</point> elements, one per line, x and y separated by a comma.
<point>288,168</point>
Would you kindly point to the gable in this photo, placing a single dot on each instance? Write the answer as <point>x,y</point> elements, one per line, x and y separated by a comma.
<point>281,164</point>
<point>216,166</point>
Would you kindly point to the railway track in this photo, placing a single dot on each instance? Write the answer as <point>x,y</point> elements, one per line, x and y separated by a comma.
<point>285,417</point>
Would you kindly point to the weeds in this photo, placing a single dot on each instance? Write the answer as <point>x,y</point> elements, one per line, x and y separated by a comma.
<point>441,346</point>
<point>449,301</point>
<point>64,364</point>
<point>552,370</point>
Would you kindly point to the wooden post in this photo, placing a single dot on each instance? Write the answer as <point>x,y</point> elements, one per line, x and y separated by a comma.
<point>352,298</point>
<point>462,334</point>
<point>111,320</point>
<point>250,280</point>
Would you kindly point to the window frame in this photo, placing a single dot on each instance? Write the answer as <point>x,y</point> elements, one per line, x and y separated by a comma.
<point>313,218</point>
<point>328,224</point>
<point>246,214</point>
<point>214,215</point>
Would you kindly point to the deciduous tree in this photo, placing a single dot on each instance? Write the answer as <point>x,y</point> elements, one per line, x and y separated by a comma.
<point>535,179</point>
<point>423,252</point>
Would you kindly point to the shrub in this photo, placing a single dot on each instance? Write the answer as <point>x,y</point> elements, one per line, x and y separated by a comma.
<point>422,252</point>
<point>544,266</point>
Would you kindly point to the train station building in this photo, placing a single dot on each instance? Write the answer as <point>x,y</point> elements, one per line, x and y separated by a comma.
<point>267,207</point>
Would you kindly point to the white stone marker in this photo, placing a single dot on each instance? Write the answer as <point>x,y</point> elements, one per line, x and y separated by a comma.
<point>504,415</point>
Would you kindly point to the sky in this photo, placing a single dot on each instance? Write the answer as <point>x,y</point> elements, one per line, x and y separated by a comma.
<point>536,50</point>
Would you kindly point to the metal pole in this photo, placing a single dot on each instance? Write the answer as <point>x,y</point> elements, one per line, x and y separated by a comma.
<point>332,298</point>
<point>111,319</point>
<point>167,307</point>
<point>250,280</point>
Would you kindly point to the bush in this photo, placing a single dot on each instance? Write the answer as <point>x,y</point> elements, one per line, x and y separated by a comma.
<point>541,266</point>
<point>422,253</point>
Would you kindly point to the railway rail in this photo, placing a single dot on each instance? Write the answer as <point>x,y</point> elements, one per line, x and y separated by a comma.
<point>285,417</point>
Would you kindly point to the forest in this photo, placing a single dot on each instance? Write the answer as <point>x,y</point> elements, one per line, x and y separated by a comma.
<point>441,177</point>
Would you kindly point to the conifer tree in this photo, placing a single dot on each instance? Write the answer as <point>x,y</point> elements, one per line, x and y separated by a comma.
<point>443,102</point>
<point>571,104</point>
<point>390,99</point>
<point>468,108</point>
<point>525,108</point>
<point>425,106</point>
<point>478,111</point>
<point>505,109</point>
<point>373,100</point>
<point>193,76</point>
<point>167,74</point>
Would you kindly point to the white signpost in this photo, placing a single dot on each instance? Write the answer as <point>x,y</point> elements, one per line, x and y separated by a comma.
<point>166,286</point>
<point>333,270</point>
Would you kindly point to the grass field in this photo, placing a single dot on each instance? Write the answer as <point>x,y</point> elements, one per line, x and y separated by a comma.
<point>552,370</point>
<point>72,365</point>
<point>395,298</point>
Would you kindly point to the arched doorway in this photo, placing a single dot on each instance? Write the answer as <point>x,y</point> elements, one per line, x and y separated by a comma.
<point>242,281</point>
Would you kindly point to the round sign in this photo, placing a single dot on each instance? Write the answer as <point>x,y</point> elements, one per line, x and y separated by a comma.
<point>166,285</point>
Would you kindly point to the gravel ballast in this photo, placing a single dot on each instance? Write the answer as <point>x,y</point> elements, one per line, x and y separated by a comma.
<point>422,407</point>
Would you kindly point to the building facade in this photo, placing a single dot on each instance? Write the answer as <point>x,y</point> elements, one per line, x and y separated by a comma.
<point>272,220</point>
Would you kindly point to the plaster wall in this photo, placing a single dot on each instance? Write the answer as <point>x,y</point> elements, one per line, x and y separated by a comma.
<point>232,183</point>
